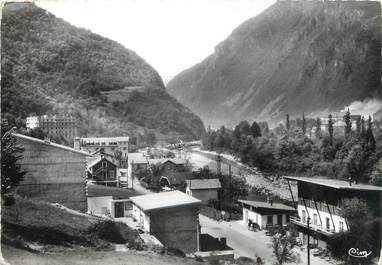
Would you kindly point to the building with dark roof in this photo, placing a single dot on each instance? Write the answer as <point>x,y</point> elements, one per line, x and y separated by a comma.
<point>320,200</point>
<point>266,214</point>
<point>203,189</point>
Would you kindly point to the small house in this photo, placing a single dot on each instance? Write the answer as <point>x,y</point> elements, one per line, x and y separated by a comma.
<point>172,217</point>
<point>103,171</point>
<point>203,189</point>
<point>266,214</point>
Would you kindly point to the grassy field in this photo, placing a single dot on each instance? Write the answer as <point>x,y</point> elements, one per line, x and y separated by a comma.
<point>15,256</point>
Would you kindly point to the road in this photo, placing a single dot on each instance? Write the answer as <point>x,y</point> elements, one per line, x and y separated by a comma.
<point>251,244</point>
<point>245,243</point>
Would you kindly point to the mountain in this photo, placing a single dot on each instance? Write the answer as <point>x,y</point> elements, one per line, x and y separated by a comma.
<point>294,57</point>
<point>50,66</point>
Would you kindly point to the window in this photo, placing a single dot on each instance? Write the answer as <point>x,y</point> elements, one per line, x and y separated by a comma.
<point>327,223</point>
<point>341,226</point>
<point>303,216</point>
<point>279,219</point>
<point>315,219</point>
<point>270,220</point>
<point>104,164</point>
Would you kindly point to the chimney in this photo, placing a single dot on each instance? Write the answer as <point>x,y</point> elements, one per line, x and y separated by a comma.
<point>77,143</point>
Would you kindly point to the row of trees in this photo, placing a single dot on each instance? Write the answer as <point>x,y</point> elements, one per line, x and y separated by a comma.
<point>288,150</point>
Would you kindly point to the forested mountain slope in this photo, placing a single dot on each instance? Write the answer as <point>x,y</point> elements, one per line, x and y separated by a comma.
<point>50,66</point>
<point>294,57</point>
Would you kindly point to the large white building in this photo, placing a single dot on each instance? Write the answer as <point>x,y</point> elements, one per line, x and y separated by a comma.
<point>320,200</point>
<point>108,144</point>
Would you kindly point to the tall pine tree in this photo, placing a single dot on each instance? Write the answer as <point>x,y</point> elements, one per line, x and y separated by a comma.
<point>347,121</point>
<point>287,123</point>
<point>303,123</point>
<point>318,127</point>
<point>330,128</point>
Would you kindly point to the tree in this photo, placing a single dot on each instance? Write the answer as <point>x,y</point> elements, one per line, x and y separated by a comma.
<point>118,156</point>
<point>255,130</point>
<point>283,248</point>
<point>330,128</point>
<point>363,130</point>
<point>362,230</point>
<point>369,135</point>
<point>11,173</point>
<point>318,127</point>
<point>245,128</point>
<point>303,127</point>
<point>287,123</point>
<point>347,121</point>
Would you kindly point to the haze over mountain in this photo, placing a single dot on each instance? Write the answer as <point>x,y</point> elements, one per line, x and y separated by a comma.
<point>50,66</point>
<point>295,57</point>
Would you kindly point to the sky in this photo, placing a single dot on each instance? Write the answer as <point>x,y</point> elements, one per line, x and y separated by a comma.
<point>171,35</point>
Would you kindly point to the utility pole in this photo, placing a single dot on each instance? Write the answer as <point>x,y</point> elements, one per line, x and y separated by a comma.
<point>230,191</point>
<point>308,241</point>
<point>132,174</point>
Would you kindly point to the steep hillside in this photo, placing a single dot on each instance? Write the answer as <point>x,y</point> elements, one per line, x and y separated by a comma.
<point>293,57</point>
<point>50,66</point>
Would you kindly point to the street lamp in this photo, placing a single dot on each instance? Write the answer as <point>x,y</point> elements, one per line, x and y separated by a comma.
<point>308,222</point>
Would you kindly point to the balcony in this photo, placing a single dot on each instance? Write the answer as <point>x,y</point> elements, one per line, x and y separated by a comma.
<point>315,228</point>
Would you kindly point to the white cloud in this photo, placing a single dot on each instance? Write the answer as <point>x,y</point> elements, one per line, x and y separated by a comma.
<point>171,35</point>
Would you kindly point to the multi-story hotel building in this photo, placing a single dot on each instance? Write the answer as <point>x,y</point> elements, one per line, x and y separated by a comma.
<point>66,127</point>
<point>320,201</point>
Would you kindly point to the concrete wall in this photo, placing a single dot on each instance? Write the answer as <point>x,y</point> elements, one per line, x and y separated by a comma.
<point>141,217</point>
<point>53,174</point>
<point>176,227</point>
<point>205,195</point>
<point>99,205</point>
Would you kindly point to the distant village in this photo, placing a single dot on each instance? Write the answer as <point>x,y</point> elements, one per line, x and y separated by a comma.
<point>156,191</point>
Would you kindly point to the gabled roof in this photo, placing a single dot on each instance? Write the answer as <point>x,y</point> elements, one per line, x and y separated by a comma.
<point>335,183</point>
<point>48,143</point>
<point>99,159</point>
<point>163,200</point>
<point>137,158</point>
<point>203,184</point>
<point>267,205</point>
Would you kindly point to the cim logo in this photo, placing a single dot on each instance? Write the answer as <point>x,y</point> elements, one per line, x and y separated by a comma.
<point>356,253</point>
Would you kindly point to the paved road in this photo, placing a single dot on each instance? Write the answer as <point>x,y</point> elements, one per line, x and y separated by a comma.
<point>250,244</point>
<point>245,243</point>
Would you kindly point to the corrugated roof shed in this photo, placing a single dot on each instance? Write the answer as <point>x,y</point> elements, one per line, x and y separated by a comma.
<point>163,200</point>
<point>203,184</point>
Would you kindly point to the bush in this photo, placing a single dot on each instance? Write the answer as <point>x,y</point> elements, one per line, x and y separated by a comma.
<point>108,230</point>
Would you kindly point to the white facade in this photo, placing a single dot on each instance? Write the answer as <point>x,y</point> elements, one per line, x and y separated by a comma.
<point>142,218</point>
<point>264,220</point>
<point>322,220</point>
<point>99,205</point>
<point>105,206</point>
<point>32,122</point>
